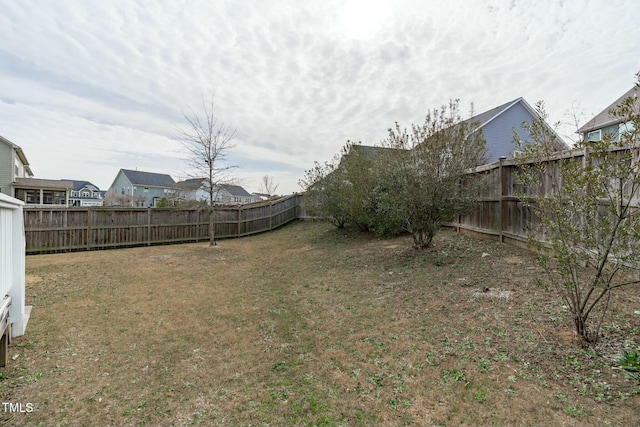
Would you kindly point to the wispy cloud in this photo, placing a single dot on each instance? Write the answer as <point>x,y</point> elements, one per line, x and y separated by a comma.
<point>111,79</point>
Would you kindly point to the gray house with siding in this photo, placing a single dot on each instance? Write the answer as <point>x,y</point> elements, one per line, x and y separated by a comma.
<point>140,189</point>
<point>16,179</point>
<point>498,124</point>
<point>605,123</point>
<point>13,164</point>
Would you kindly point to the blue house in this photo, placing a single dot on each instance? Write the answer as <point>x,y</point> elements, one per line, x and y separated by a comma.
<point>139,189</point>
<point>498,124</point>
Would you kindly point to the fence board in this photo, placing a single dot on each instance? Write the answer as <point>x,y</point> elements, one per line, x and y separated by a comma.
<point>89,228</point>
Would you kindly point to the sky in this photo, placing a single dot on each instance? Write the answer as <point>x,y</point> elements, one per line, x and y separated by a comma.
<point>89,87</point>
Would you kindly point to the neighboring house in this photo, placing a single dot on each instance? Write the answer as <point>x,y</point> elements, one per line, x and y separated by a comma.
<point>13,164</point>
<point>234,194</point>
<point>605,123</point>
<point>140,189</point>
<point>192,189</point>
<point>498,124</point>
<point>197,189</point>
<point>85,193</point>
<point>16,179</point>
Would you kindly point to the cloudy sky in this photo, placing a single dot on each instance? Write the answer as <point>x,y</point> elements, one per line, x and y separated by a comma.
<point>88,87</point>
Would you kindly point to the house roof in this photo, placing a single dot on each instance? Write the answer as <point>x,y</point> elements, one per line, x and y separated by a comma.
<point>483,118</point>
<point>54,184</point>
<point>488,116</point>
<point>604,118</point>
<point>196,183</point>
<point>371,151</point>
<point>190,184</point>
<point>19,153</point>
<point>79,185</point>
<point>149,179</point>
<point>236,190</point>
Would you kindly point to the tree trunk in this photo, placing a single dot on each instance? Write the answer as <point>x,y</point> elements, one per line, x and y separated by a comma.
<point>582,330</point>
<point>212,226</point>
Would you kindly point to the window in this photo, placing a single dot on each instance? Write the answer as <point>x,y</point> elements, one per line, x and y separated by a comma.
<point>594,135</point>
<point>86,194</point>
<point>625,128</point>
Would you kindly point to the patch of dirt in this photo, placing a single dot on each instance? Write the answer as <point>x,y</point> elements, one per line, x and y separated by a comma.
<point>31,279</point>
<point>492,293</point>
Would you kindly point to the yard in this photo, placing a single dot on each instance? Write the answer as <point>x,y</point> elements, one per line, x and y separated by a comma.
<point>310,325</point>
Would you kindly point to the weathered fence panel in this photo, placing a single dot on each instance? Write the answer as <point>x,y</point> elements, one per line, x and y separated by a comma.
<point>72,229</point>
<point>500,211</point>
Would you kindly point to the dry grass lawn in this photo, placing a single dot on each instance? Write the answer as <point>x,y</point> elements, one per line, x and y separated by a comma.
<point>309,325</point>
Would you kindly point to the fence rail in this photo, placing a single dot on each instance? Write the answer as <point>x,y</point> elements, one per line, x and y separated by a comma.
<point>89,228</point>
<point>501,214</point>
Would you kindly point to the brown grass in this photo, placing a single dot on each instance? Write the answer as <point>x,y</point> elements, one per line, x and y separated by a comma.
<point>309,325</point>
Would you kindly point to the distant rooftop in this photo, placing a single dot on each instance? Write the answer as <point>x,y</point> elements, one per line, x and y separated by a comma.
<point>149,179</point>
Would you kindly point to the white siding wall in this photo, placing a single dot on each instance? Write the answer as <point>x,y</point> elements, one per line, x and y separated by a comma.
<point>12,254</point>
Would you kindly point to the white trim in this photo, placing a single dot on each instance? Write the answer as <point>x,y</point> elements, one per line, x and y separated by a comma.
<point>12,261</point>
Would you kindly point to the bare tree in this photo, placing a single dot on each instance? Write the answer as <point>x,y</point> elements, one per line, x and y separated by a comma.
<point>208,143</point>
<point>268,186</point>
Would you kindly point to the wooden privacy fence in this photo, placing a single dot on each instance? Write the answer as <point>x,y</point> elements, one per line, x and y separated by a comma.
<point>73,229</point>
<point>501,213</point>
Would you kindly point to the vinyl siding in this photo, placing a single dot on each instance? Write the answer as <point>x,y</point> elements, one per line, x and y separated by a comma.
<point>6,168</point>
<point>499,132</point>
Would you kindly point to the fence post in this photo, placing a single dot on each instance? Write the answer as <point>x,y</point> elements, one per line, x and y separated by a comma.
<point>149,226</point>
<point>501,202</point>
<point>197,224</point>
<point>89,228</point>
<point>270,215</point>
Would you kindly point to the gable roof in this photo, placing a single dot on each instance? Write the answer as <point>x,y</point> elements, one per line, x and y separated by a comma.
<point>148,179</point>
<point>484,118</point>
<point>236,190</point>
<point>19,153</point>
<point>488,116</point>
<point>604,118</point>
